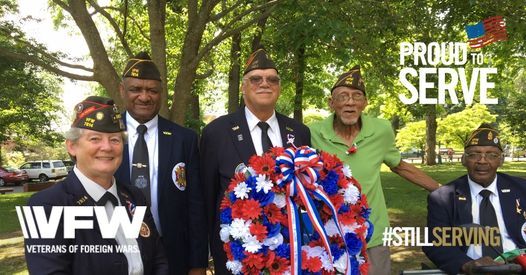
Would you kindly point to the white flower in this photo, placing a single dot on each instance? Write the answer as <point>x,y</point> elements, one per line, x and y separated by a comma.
<point>313,251</point>
<point>347,171</point>
<point>341,263</point>
<point>241,190</point>
<point>279,200</point>
<point>251,244</point>
<point>351,194</point>
<point>325,262</point>
<point>234,266</point>
<point>263,183</point>
<point>224,233</point>
<point>330,228</point>
<point>239,229</point>
<point>273,242</point>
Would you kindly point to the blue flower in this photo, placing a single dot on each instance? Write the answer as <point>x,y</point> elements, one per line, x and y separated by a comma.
<point>354,244</point>
<point>366,212</point>
<point>232,197</point>
<point>344,209</point>
<point>285,233</point>
<point>226,216</point>
<point>336,251</point>
<point>273,229</point>
<point>330,183</point>
<point>264,199</point>
<point>283,250</point>
<point>370,230</point>
<point>355,266</point>
<point>237,250</point>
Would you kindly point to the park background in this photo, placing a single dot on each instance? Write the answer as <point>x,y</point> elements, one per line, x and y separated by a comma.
<point>201,46</point>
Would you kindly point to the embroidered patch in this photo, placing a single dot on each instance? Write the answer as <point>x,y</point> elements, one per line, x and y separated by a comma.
<point>179,176</point>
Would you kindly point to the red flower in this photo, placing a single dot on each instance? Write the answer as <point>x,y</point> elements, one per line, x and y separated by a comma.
<point>330,162</point>
<point>251,210</point>
<point>226,248</point>
<point>263,165</point>
<point>273,213</point>
<point>253,261</point>
<point>259,230</point>
<point>352,149</point>
<point>237,179</point>
<point>237,209</point>
<point>277,151</point>
<point>276,265</point>
<point>310,264</point>
<point>225,203</point>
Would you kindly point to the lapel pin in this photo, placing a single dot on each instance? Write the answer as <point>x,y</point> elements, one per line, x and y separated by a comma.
<point>240,137</point>
<point>518,206</point>
<point>461,198</point>
<point>82,200</point>
<point>505,190</point>
<point>235,128</point>
<point>167,133</point>
<point>289,129</point>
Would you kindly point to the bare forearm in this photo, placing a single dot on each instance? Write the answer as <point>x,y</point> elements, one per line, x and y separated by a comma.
<point>415,176</point>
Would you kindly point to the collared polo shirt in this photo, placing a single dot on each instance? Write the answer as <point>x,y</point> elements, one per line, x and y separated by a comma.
<point>375,145</point>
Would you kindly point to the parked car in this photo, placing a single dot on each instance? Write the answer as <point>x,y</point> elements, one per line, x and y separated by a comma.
<point>44,170</point>
<point>69,164</point>
<point>10,175</point>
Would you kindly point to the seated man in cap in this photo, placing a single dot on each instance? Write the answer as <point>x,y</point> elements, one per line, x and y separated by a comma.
<point>479,199</point>
<point>364,143</point>
<point>96,141</point>
<point>229,141</point>
<point>162,160</point>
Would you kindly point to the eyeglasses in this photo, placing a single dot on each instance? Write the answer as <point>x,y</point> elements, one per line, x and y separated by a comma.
<point>256,80</point>
<point>488,156</point>
<point>356,97</point>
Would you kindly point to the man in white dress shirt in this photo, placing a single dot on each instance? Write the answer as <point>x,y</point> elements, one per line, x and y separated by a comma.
<point>483,198</point>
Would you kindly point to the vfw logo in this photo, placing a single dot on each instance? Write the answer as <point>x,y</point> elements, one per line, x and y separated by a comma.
<point>35,224</point>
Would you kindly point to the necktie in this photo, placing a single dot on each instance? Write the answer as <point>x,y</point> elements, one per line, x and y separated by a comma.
<point>140,175</point>
<point>107,197</point>
<point>488,218</point>
<point>265,140</point>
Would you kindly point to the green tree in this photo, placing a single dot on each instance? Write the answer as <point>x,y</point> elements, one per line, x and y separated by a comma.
<point>454,129</point>
<point>413,135</point>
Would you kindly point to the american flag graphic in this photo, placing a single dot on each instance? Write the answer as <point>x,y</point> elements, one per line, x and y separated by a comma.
<point>487,31</point>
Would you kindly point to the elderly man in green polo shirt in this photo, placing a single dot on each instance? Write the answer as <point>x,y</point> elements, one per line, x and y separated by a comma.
<point>364,143</point>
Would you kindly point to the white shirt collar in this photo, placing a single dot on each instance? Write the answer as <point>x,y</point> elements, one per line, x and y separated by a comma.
<point>475,188</point>
<point>252,121</point>
<point>94,189</point>
<point>131,124</point>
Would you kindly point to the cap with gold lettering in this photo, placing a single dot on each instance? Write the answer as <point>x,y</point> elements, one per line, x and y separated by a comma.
<point>259,60</point>
<point>352,79</point>
<point>485,135</point>
<point>141,66</point>
<point>98,114</point>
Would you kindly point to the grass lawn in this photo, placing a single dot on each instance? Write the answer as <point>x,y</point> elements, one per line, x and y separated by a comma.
<point>12,259</point>
<point>406,202</point>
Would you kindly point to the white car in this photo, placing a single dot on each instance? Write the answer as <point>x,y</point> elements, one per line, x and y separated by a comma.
<point>44,170</point>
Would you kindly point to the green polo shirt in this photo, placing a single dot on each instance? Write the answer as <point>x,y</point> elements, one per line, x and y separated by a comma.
<point>376,145</point>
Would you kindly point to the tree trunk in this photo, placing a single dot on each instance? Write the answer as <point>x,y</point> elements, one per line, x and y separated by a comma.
<point>197,19</point>
<point>103,70</point>
<point>299,77</point>
<point>233,74</point>
<point>431,131</point>
<point>157,18</point>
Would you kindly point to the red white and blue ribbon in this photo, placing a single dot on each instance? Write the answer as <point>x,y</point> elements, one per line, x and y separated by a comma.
<point>299,167</point>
